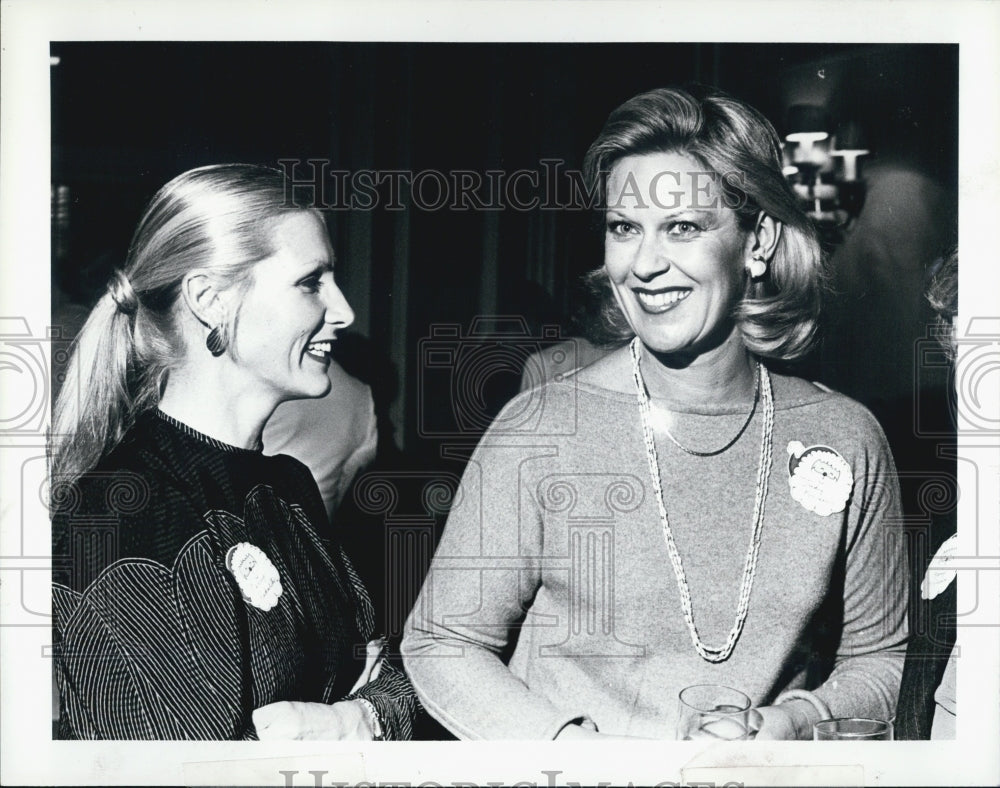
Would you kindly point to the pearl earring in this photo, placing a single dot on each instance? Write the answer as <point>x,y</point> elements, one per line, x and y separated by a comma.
<point>757,266</point>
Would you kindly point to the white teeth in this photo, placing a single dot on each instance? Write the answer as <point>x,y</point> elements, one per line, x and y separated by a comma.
<point>319,349</point>
<point>661,300</point>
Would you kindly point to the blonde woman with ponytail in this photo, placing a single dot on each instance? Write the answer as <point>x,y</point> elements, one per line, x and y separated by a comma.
<point>192,596</point>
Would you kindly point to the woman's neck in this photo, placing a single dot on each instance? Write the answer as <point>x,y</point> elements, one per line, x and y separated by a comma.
<point>722,375</point>
<point>206,399</point>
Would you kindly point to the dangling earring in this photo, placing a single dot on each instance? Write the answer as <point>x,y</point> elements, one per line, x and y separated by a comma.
<point>217,340</point>
<point>757,266</point>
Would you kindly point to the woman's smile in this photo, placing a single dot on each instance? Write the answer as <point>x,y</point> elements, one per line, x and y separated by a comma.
<point>320,349</point>
<point>657,302</point>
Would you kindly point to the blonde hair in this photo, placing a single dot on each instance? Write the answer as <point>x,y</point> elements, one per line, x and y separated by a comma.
<point>942,294</point>
<point>779,313</point>
<point>214,218</point>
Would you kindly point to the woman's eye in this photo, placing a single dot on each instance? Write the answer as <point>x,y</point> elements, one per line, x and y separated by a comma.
<point>310,285</point>
<point>621,228</point>
<point>683,228</point>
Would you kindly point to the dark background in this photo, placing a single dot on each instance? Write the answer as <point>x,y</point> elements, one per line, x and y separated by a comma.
<point>127,117</point>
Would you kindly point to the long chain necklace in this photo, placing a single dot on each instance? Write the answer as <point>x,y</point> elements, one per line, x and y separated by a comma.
<point>711,653</point>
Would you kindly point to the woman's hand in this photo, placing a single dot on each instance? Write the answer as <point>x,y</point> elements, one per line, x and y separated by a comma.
<point>347,720</point>
<point>789,721</point>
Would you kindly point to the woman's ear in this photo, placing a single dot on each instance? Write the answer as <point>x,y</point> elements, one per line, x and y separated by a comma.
<point>203,300</point>
<point>766,235</point>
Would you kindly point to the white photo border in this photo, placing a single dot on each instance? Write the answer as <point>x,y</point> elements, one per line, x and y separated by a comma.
<point>29,756</point>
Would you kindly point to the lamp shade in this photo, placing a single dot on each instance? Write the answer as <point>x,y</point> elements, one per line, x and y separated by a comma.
<point>807,122</point>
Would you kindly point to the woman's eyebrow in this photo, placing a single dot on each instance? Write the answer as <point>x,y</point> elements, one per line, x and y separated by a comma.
<point>671,213</point>
<point>319,268</point>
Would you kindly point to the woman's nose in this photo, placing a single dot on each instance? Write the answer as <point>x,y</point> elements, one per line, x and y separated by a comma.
<point>338,311</point>
<point>650,260</point>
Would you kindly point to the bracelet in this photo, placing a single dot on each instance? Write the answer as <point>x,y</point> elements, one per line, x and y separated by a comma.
<point>377,733</point>
<point>801,694</point>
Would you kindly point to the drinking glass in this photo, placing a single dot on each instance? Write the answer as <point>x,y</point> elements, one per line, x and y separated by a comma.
<point>852,729</point>
<point>712,711</point>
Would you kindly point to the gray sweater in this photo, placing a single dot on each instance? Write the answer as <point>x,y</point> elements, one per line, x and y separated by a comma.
<point>551,598</point>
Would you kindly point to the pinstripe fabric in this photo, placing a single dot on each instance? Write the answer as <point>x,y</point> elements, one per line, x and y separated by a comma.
<point>153,637</point>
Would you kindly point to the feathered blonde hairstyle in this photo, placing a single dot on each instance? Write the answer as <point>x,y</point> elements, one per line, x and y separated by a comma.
<point>779,313</point>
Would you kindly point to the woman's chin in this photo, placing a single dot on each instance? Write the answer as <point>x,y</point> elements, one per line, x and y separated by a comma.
<point>320,388</point>
<point>664,345</point>
<point>311,384</point>
<point>688,346</point>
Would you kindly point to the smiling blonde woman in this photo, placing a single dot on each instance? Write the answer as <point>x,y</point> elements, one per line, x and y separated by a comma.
<point>193,596</point>
<point>650,529</point>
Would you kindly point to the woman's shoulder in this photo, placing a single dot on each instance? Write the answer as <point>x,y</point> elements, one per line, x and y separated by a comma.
<point>557,406</point>
<point>160,480</point>
<point>123,482</point>
<point>824,409</point>
<point>611,372</point>
<point>791,391</point>
<point>293,480</point>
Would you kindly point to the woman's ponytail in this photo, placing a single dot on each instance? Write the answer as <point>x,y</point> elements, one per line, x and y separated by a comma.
<point>95,403</point>
<point>212,218</point>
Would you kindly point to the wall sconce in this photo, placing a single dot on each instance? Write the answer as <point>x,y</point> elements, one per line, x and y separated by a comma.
<point>850,145</point>
<point>808,134</point>
<point>807,125</point>
<point>833,195</point>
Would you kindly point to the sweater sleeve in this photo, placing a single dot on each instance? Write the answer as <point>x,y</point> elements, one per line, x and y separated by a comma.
<point>868,667</point>
<point>467,617</point>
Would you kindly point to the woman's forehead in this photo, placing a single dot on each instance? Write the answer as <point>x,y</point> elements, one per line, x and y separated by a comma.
<point>663,181</point>
<point>301,239</point>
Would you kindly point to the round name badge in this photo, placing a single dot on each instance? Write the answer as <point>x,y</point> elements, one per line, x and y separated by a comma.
<point>819,478</point>
<point>255,575</point>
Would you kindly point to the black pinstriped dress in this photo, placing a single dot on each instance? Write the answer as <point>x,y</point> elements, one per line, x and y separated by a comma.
<point>190,587</point>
